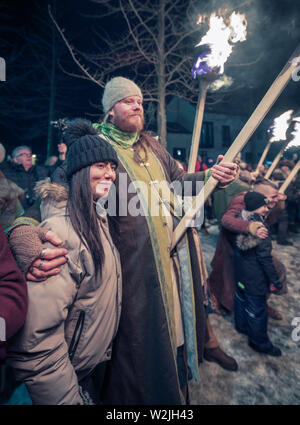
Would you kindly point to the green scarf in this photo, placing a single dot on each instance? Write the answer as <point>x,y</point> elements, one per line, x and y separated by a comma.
<point>122,138</point>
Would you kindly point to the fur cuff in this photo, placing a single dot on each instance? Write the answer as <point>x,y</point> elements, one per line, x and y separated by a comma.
<point>245,242</point>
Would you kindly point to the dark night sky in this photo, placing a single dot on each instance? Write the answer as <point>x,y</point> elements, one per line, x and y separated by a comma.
<point>273,32</point>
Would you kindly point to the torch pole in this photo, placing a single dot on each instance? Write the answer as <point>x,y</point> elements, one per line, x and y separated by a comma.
<point>264,154</point>
<point>204,84</point>
<point>290,177</point>
<point>251,125</point>
<point>275,161</point>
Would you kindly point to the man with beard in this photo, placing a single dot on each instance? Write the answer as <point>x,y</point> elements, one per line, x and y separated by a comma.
<point>162,331</point>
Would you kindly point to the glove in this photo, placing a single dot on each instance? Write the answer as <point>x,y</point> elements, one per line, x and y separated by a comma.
<point>25,243</point>
<point>254,226</point>
<point>275,287</point>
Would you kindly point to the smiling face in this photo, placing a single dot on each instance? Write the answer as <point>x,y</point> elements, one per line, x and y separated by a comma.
<point>102,175</point>
<point>128,114</point>
<point>263,210</point>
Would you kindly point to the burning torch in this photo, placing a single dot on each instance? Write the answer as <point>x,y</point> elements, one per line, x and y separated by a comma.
<point>212,52</point>
<point>295,142</point>
<point>279,131</point>
<point>242,138</point>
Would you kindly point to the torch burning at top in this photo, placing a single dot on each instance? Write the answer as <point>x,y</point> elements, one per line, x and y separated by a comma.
<point>295,141</point>
<point>280,126</point>
<point>214,50</point>
<point>283,128</point>
<point>218,42</point>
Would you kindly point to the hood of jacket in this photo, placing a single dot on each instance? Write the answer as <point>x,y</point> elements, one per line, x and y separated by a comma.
<point>249,241</point>
<point>53,197</point>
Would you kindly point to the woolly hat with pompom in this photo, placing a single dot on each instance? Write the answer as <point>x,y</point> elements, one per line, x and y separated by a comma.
<point>116,89</point>
<point>85,147</point>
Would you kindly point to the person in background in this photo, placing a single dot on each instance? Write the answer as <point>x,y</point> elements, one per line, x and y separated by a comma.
<point>199,166</point>
<point>2,153</point>
<point>62,149</point>
<point>11,197</point>
<point>51,161</point>
<point>210,162</point>
<point>21,171</point>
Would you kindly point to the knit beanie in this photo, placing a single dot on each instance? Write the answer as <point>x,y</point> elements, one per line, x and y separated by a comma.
<point>86,147</point>
<point>254,200</point>
<point>117,89</point>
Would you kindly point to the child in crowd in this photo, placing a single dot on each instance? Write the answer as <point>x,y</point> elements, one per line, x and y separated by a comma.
<point>255,276</point>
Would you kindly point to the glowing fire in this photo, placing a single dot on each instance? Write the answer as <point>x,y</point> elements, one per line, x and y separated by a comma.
<point>295,142</point>
<point>218,43</point>
<point>280,126</point>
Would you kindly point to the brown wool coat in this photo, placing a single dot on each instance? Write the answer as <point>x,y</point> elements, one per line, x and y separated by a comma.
<point>142,369</point>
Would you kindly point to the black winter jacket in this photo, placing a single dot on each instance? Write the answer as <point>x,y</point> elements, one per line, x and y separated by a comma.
<point>253,263</point>
<point>25,179</point>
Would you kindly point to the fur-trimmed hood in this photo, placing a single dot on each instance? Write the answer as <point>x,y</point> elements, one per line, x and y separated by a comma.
<point>44,189</point>
<point>245,242</point>
<point>53,198</point>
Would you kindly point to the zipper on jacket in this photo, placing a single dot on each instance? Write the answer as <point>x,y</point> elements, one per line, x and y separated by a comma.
<point>76,335</point>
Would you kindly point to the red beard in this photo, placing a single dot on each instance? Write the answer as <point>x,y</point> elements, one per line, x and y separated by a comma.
<point>129,126</point>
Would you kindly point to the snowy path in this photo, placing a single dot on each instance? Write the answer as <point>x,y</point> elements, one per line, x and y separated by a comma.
<point>260,379</point>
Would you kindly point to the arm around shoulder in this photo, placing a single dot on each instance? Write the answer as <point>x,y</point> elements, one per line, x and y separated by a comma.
<point>39,353</point>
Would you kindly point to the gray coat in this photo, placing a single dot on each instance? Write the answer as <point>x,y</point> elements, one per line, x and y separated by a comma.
<point>72,317</point>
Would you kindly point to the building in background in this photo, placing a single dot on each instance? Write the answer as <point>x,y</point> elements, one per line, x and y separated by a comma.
<point>218,132</point>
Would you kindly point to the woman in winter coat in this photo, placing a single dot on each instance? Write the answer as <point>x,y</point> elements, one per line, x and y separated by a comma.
<point>255,276</point>
<point>66,342</point>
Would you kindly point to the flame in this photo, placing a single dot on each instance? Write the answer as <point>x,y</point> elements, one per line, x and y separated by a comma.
<point>218,42</point>
<point>295,142</point>
<point>238,26</point>
<point>280,126</point>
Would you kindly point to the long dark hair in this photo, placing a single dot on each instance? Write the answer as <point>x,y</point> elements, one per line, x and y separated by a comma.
<point>145,141</point>
<point>83,215</point>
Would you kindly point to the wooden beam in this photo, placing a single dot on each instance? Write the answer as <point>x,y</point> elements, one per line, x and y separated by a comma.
<point>290,177</point>
<point>203,86</point>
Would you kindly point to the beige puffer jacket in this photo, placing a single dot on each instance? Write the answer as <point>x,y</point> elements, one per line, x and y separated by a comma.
<point>72,317</point>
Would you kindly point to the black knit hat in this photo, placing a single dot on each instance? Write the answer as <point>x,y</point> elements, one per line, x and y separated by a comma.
<point>85,146</point>
<point>254,200</point>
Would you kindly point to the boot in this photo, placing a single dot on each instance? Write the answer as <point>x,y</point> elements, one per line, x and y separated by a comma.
<point>218,356</point>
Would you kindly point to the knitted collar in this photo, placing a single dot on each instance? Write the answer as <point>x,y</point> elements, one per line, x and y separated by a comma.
<point>122,138</point>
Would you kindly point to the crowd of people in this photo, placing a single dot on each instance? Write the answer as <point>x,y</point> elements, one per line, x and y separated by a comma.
<point>99,307</point>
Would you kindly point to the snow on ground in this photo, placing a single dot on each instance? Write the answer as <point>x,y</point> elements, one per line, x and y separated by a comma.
<point>260,379</point>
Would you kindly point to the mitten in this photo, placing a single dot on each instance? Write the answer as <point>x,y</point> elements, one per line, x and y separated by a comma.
<point>26,245</point>
<point>254,226</point>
